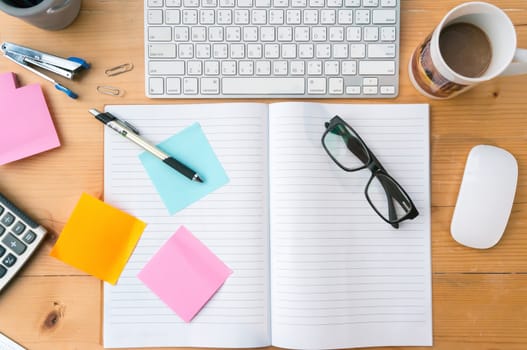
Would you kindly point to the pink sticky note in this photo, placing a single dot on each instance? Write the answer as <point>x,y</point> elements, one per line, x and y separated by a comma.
<point>184,273</point>
<point>26,125</point>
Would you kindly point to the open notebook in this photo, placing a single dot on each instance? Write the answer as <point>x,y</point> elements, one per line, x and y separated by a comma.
<point>314,266</point>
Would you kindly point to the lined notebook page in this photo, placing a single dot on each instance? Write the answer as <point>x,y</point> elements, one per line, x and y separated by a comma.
<point>232,222</point>
<point>340,276</point>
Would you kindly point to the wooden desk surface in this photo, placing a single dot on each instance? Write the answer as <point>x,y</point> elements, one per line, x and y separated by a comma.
<point>479,297</point>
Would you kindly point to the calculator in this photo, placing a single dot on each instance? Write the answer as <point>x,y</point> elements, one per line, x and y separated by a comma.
<point>19,238</point>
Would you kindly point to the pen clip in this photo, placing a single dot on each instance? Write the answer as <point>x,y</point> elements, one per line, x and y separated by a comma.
<point>127,125</point>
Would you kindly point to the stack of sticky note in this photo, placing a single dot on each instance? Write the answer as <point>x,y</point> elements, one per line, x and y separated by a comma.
<point>185,274</point>
<point>26,125</point>
<point>98,239</point>
<point>191,147</point>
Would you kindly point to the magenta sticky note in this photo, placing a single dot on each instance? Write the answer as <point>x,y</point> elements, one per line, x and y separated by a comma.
<point>185,274</point>
<point>27,127</point>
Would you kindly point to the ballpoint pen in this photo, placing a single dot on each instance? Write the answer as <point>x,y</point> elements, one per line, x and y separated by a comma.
<point>128,131</point>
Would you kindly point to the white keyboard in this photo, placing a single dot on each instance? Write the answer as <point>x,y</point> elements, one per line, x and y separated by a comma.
<point>272,48</point>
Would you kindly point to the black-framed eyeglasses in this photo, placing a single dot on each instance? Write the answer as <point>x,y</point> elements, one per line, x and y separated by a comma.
<point>389,200</point>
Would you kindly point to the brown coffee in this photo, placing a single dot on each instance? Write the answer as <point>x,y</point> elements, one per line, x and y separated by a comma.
<point>466,49</point>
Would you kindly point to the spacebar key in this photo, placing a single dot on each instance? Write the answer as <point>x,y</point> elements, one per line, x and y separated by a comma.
<point>269,86</point>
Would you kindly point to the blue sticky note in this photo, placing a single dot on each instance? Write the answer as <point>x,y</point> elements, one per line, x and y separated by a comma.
<point>191,148</point>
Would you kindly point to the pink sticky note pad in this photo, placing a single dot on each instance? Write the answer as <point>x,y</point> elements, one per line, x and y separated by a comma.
<point>26,125</point>
<point>185,274</point>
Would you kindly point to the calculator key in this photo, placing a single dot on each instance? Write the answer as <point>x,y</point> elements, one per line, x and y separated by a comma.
<point>2,251</point>
<point>1,210</point>
<point>2,230</point>
<point>8,219</point>
<point>18,228</point>
<point>3,271</point>
<point>9,260</point>
<point>14,244</point>
<point>29,237</point>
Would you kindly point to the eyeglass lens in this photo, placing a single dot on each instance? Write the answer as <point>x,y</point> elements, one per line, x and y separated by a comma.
<point>345,147</point>
<point>387,197</point>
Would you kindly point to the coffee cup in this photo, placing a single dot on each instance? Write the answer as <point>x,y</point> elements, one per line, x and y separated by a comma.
<point>473,43</point>
<point>45,14</point>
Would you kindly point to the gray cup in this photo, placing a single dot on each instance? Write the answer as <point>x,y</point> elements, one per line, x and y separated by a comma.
<point>45,14</point>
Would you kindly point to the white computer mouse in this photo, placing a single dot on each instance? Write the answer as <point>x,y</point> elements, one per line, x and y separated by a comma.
<point>485,197</point>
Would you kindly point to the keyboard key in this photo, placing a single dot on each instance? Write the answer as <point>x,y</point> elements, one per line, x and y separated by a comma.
<point>29,237</point>
<point>352,3</point>
<point>314,68</point>
<point>13,243</point>
<point>160,33</point>
<point>316,85</point>
<point>1,209</point>
<point>331,68</point>
<point>297,67</point>
<point>190,86</point>
<point>353,90</point>
<point>383,17</point>
<point>173,17</point>
<point>155,17</point>
<point>388,3</point>
<point>370,81</point>
<point>369,90</point>
<point>3,271</point>
<point>7,219</point>
<point>210,86</point>
<point>18,228</point>
<point>381,50</point>
<point>376,67</point>
<point>371,33</point>
<point>181,33</point>
<point>166,67</point>
<point>387,90</point>
<point>362,17</point>
<point>280,67</point>
<point>156,86</point>
<point>263,67</point>
<point>2,230</point>
<point>336,86</point>
<point>267,86</point>
<point>226,3</point>
<point>357,50</point>
<point>246,67</point>
<point>388,33</point>
<point>2,250</point>
<point>162,50</point>
<point>155,3</point>
<point>173,86</point>
<point>194,68</point>
<point>9,260</point>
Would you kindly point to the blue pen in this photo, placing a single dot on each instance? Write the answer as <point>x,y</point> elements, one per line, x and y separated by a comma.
<point>29,58</point>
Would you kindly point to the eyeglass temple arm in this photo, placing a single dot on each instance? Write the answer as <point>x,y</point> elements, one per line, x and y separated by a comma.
<point>389,198</point>
<point>393,192</point>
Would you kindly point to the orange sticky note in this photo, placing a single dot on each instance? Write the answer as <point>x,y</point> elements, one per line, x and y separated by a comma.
<point>98,239</point>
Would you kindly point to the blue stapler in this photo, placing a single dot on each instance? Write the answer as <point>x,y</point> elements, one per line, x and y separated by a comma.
<point>31,59</point>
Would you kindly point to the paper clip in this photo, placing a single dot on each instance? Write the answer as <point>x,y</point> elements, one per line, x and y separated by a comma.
<point>110,90</point>
<point>120,69</point>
